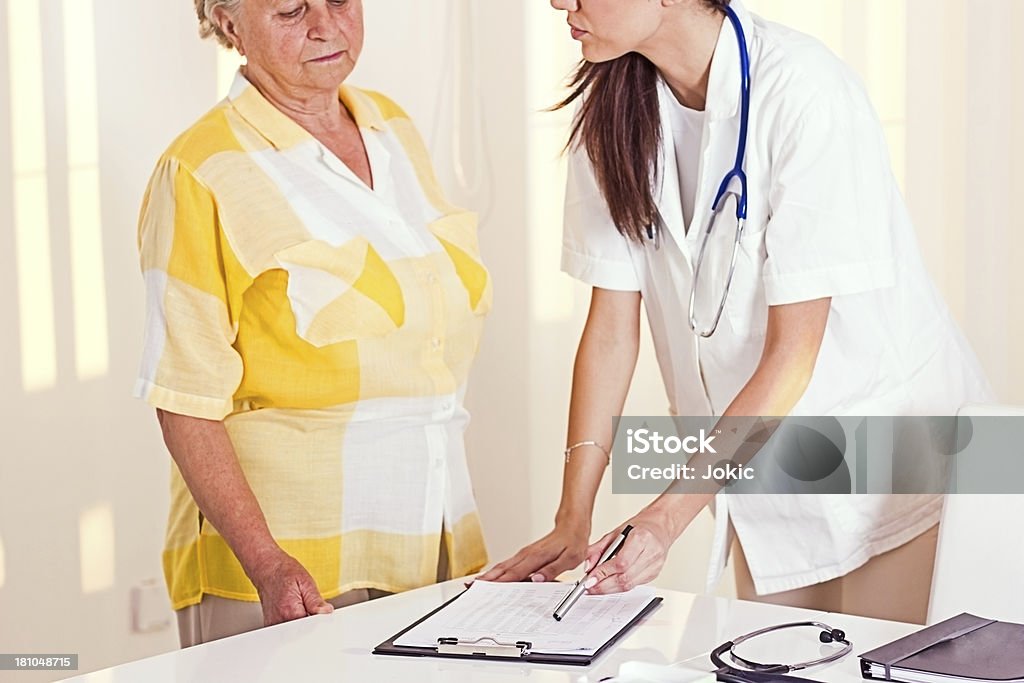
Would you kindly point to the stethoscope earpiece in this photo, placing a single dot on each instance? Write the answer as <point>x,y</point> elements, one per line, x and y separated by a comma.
<point>836,635</point>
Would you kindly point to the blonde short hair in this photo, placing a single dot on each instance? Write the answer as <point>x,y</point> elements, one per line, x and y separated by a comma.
<point>207,27</point>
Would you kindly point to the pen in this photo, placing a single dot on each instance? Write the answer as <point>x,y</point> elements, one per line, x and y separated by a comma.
<point>569,600</point>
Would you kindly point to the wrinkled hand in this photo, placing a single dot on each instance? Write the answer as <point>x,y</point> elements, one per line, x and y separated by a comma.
<point>544,559</point>
<point>638,561</point>
<point>286,590</point>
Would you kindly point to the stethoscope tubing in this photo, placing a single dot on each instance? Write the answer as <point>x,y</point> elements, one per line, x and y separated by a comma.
<point>736,173</point>
<point>741,143</point>
<point>736,676</point>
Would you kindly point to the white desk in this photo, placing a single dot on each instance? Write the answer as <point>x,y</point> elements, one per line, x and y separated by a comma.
<point>337,646</point>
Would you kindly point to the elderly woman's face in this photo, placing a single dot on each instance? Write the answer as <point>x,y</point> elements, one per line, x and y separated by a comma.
<point>301,44</point>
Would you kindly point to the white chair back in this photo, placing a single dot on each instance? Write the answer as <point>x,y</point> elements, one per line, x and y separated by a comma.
<point>979,565</point>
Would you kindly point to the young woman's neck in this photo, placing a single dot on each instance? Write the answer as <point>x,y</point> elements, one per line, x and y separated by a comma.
<point>682,51</point>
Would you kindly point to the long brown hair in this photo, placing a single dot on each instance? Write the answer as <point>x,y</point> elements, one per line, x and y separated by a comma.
<point>619,124</point>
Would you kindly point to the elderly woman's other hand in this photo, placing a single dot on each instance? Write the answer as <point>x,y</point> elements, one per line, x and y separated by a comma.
<point>286,589</point>
<point>206,458</point>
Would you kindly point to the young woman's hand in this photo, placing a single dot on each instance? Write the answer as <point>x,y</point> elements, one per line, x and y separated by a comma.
<point>640,558</point>
<point>543,560</point>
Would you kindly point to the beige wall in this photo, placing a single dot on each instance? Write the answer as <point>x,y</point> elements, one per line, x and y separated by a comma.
<point>81,464</point>
<point>82,467</point>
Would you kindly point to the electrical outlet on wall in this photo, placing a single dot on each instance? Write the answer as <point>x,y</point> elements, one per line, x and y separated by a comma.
<point>150,609</point>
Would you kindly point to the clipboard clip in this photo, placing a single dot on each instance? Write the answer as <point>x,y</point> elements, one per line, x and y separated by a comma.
<point>485,646</point>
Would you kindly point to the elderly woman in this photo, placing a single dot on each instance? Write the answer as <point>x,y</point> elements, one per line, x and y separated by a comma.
<point>313,308</point>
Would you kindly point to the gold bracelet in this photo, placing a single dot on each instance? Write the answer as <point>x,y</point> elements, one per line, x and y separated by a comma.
<point>570,449</point>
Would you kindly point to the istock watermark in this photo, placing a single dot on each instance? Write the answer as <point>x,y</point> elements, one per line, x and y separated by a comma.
<point>644,440</point>
<point>811,455</point>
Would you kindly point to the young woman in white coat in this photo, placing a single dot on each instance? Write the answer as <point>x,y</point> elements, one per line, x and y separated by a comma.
<point>830,310</point>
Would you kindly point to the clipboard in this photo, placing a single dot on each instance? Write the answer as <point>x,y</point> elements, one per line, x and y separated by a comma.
<point>491,649</point>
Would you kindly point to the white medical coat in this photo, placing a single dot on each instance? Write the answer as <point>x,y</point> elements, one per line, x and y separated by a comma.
<point>825,219</point>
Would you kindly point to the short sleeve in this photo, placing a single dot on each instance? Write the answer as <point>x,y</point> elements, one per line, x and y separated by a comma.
<point>193,299</point>
<point>593,250</point>
<point>832,207</point>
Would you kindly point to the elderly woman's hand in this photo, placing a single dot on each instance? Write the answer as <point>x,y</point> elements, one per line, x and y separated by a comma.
<point>286,589</point>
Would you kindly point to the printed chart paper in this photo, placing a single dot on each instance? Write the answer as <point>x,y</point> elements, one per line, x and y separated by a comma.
<point>510,612</point>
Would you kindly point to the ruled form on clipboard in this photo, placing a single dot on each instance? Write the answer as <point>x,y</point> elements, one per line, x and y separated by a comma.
<point>523,612</point>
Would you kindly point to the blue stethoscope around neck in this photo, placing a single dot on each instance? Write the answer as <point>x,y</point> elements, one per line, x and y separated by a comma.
<point>725,192</point>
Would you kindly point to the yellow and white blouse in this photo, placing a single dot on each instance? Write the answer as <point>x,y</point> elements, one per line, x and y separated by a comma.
<point>331,327</point>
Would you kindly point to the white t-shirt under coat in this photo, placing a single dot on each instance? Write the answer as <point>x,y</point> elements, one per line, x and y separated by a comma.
<point>688,129</point>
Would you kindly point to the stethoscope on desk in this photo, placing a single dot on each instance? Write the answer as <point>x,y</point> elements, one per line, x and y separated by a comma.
<point>744,670</point>
<point>724,191</point>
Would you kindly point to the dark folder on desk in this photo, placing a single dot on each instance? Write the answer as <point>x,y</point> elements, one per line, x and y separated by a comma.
<point>521,647</point>
<point>964,648</point>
